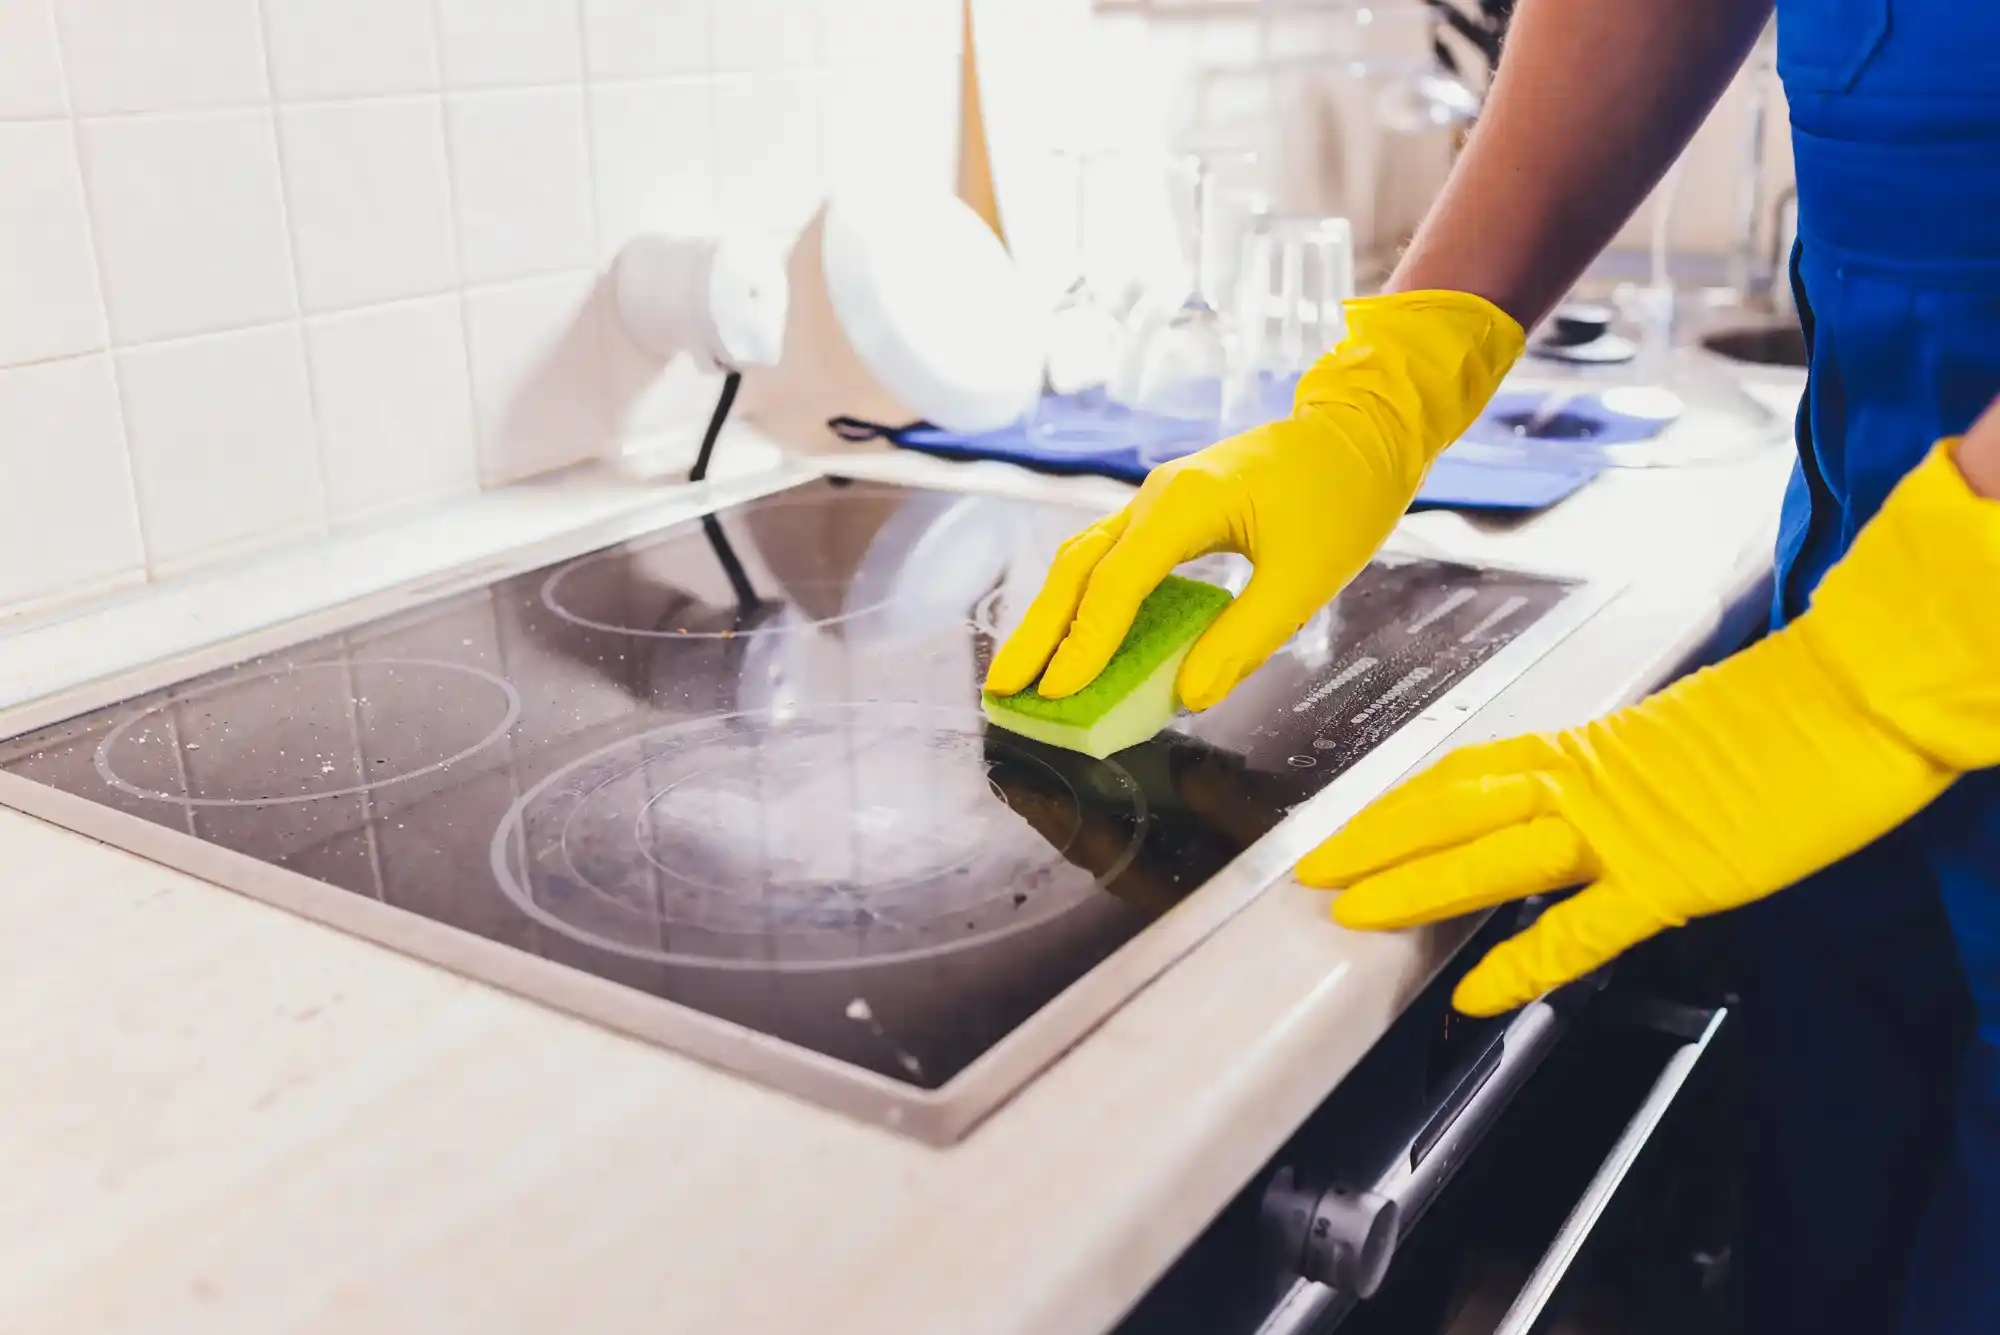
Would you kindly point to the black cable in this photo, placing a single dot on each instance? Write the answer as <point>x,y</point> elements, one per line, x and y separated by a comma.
<point>723,404</point>
<point>747,600</point>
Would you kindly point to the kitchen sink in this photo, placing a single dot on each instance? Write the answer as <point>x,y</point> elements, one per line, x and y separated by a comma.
<point>1760,345</point>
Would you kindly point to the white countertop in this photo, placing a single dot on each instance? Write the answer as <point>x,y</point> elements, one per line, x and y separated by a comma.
<point>215,1117</point>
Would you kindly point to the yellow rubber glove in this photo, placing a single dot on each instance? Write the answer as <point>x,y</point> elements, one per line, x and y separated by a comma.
<point>1308,499</point>
<point>1725,787</point>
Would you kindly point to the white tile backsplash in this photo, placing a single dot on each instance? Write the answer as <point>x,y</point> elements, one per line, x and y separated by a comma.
<point>268,266</point>
<point>630,39</point>
<point>350,48</point>
<point>190,222</point>
<point>223,451</point>
<point>893,122</point>
<point>162,55</point>
<point>770,150</point>
<point>889,32</point>
<point>537,375</point>
<point>367,187</point>
<point>495,43</point>
<point>31,76</point>
<point>650,153</point>
<point>67,520</point>
<point>767,34</point>
<point>394,401</point>
<point>521,163</point>
<point>49,303</point>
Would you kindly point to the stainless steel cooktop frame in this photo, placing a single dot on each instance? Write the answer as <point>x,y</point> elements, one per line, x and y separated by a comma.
<point>938,1117</point>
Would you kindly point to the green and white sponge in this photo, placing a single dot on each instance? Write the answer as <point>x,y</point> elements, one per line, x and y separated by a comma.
<point>1133,697</point>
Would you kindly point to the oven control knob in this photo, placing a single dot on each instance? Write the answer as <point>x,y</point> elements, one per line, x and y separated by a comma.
<point>1337,1237</point>
<point>1353,1235</point>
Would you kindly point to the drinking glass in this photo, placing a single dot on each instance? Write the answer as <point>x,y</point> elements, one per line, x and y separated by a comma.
<point>1186,384</point>
<point>1297,274</point>
<point>1371,117</point>
<point>1075,411</point>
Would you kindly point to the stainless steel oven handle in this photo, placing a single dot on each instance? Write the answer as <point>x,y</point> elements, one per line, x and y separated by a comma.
<point>1416,1176</point>
<point>1307,1309</point>
<point>1528,1305</point>
<point>1342,1241</point>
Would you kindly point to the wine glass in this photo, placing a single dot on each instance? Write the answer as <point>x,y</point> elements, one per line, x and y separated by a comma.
<point>1075,412</point>
<point>1185,386</point>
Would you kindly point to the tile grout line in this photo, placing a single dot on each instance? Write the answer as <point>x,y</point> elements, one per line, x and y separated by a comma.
<point>713,109</point>
<point>604,311</point>
<point>479,441</point>
<point>110,349</point>
<point>310,318</point>
<point>459,284</point>
<point>473,91</point>
<point>402,94</point>
<point>57,358</point>
<point>298,282</point>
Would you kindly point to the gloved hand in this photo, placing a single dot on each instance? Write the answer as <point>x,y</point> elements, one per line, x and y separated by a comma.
<point>1725,787</point>
<point>1307,499</point>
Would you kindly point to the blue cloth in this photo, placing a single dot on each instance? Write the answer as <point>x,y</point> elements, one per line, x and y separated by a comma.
<point>1495,470</point>
<point>1460,483</point>
<point>1872,990</point>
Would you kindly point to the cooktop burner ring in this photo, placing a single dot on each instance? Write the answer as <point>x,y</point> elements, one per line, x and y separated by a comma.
<point>963,853</point>
<point>551,599</point>
<point>102,758</point>
<point>514,850</point>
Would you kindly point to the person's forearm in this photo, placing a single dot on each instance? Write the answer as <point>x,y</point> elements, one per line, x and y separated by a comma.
<point>1979,453</point>
<point>1594,100</point>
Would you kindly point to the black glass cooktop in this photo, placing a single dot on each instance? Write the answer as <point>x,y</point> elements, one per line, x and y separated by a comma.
<point>739,765</point>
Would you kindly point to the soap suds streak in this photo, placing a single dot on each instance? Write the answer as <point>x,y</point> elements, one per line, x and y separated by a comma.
<point>1452,602</point>
<point>1354,671</point>
<point>1499,614</point>
<point>1408,682</point>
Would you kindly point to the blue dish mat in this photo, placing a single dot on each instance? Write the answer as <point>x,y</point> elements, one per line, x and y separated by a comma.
<point>1584,414</point>
<point>1496,471</point>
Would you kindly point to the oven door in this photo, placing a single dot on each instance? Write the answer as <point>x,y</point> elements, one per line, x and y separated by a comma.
<point>1628,1194</point>
<point>1482,1175</point>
